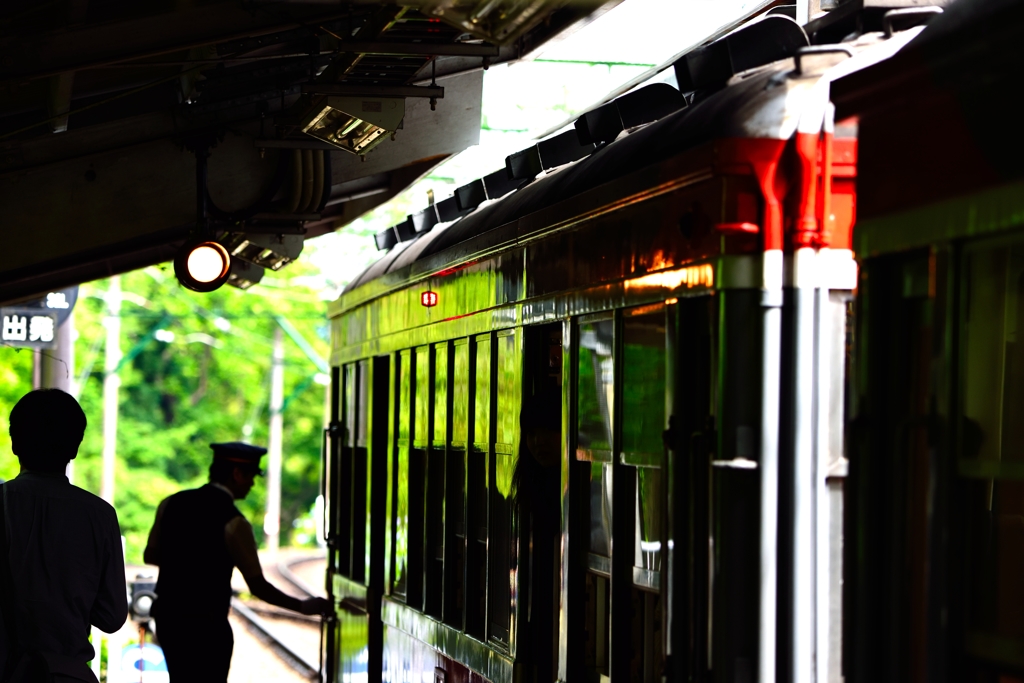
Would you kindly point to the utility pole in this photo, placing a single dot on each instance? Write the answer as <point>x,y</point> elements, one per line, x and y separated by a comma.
<point>272,519</point>
<point>111,383</point>
<point>57,369</point>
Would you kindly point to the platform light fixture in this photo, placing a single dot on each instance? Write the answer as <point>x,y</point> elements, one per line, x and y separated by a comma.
<point>428,298</point>
<point>202,265</point>
<point>354,124</point>
<point>242,275</point>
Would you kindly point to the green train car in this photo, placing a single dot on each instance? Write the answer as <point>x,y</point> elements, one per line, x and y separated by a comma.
<point>588,413</point>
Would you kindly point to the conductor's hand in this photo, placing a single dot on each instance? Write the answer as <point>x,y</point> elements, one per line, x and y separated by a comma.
<point>320,606</point>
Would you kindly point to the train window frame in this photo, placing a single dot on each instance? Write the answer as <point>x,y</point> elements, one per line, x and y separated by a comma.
<point>506,401</point>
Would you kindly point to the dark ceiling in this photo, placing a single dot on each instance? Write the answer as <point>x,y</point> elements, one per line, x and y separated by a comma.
<point>103,103</point>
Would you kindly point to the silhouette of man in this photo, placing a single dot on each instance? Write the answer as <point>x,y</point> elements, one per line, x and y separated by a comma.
<point>65,563</point>
<point>197,538</point>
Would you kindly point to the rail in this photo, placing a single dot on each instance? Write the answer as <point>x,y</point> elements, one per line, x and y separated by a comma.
<point>266,632</point>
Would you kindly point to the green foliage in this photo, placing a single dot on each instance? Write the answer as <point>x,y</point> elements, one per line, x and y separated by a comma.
<point>210,384</point>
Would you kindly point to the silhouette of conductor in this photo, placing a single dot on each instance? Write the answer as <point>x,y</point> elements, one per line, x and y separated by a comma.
<point>197,538</point>
<point>63,565</point>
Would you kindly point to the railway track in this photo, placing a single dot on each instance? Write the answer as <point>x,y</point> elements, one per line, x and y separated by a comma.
<point>268,634</point>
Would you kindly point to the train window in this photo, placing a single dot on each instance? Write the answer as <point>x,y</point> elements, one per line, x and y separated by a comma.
<point>455,539</point>
<point>595,389</point>
<point>600,512</point>
<point>424,391</point>
<point>991,454</point>
<point>363,404</point>
<point>441,375</point>
<point>477,488</point>
<point>507,390</point>
<point>344,479</point>
<point>643,385</point>
<point>417,483</point>
<point>401,484</point>
<point>597,613</point>
<point>455,488</point>
<point>460,395</point>
<point>434,518</point>
<point>647,550</point>
<point>643,421</point>
<point>482,399</point>
<point>360,515</point>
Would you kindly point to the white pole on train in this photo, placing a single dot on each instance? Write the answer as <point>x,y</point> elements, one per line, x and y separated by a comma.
<point>111,384</point>
<point>771,308</point>
<point>803,465</point>
<point>272,518</point>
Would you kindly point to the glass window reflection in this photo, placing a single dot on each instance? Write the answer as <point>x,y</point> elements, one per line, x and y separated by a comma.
<point>595,389</point>
<point>643,385</point>
<point>992,450</point>
<point>401,504</point>
<point>600,508</point>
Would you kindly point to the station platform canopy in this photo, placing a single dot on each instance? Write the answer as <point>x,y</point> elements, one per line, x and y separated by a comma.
<point>124,125</point>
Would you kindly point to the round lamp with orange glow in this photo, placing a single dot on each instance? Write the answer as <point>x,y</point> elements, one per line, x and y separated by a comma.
<point>202,265</point>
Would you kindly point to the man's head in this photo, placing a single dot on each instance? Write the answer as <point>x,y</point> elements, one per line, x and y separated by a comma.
<point>235,466</point>
<point>47,426</point>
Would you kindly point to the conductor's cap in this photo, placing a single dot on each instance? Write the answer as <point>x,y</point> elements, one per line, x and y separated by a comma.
<point>243,454</point>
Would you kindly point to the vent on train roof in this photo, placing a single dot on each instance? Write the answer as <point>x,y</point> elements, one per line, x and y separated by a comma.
<point>385,239</point>
<point>647,104</point>
<point>562,149</point>
<point>471,195</point>
<point>448,210</point>
<point>546,154</point>
<point>524,164</point>
<point>406,230</point>
<point>499,183</point>
<point>425,220</point>
<point>761,42</point>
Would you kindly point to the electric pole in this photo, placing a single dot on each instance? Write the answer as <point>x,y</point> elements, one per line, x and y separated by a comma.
<point>272,519</point>
<point>111,383</point>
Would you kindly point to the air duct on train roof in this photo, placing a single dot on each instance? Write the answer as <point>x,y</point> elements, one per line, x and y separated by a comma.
<point>471,195</point>
<point>425,220</point>
<point>546,154</point>
<point>385,239</point>
<point>499,183</point>
<point>760,42</point>
<point>644,105</point>
<point>449,210</point>
<point>406,230</point>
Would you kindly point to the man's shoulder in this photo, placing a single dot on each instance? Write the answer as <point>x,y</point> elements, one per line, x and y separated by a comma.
<point>90,500</point>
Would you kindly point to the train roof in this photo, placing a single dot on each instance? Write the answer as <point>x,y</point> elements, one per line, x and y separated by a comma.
<point>765,101</point>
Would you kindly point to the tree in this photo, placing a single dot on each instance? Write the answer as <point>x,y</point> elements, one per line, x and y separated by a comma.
<point>195,371</point>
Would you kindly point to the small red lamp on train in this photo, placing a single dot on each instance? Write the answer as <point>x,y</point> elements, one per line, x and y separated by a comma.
<point>428,298</point>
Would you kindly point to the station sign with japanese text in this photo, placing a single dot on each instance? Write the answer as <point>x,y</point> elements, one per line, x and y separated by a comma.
<point>34,323</point>
<point>32,327</point>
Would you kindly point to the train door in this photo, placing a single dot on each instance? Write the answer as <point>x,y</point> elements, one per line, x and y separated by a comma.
<point>629,489</point>
<point>894,471</point>
<point>988,445</point>
<point>691,375</point>
<point>937,468</point>
<point>537,481</point>
<point>356,468</point>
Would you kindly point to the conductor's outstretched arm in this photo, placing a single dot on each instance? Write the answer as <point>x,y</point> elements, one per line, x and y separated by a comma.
<point>242,548</point>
